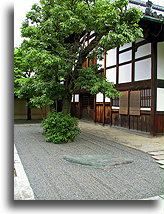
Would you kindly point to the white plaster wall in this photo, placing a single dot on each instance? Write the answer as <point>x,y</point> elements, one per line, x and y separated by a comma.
<point>99,97</point>
<point>143,69</point>
<point>125,73</point>
<point>160,65</point>
<point>126,56</point>
<point>143,50</point>
<point>111,57</point>
<point>111,75</point>
<point>128,45</point>
<point>107,99</point>
<point>76,97</point>
<point>115,107</point>
<point>160,99</point>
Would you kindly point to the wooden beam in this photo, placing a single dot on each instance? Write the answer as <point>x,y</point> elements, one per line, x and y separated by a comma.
<point>117,65</point>
<point>143,84</point>
<point>103,109</point>
<point>133,62</point>
<point>111,103</point>
<point>95,112</point>
<point>153,88</point>
<point>160,83</point>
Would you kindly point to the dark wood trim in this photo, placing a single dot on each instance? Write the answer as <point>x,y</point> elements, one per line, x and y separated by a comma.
<point>124,63</point>
<point>143,112</point>
<point>159,113</point>
<point>125,50</point>
<point>143,57</point>
<point>141,43</point>
<point>133,62</point>
<point>160,83</point>
<point>103,109</point>
<point>153,87</point>
<point>113,66</point>
<point>117,66</point>
<point>137,44</point>
<point>129,108</point>
<point>143,84</point>
<point>80,106</point>
<point>95,112</point>
<point>111,102</point>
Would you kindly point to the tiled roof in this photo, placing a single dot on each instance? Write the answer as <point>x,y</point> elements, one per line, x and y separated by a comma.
<point>150,11</point>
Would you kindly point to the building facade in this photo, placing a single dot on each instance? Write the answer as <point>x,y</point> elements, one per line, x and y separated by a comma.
<point>137,71</point>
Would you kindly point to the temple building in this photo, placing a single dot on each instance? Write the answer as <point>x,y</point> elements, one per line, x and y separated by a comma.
<point>137,71</point>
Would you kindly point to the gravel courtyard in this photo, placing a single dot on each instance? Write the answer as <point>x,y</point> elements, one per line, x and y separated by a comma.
<point>91,168</point>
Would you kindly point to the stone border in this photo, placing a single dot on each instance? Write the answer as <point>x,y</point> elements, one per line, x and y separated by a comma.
<point>22,188</point>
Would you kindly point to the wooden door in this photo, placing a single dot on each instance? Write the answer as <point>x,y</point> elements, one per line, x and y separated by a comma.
<point>87,106</point>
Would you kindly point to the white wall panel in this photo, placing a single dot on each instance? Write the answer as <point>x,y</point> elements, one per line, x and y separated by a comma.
<point>143,69</point>
<point>107,99</point>
<point>160,99</point>
<point>160,65</point>
<point>111,75</point>
<point>126,56</point>
<point>99,97</point>
<point>143,50</point>
<point>111,57</point>
<point>76,97</point>
<point>125,73</point>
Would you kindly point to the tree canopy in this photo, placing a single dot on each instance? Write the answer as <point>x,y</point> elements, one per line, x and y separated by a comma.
<point>61,34</point>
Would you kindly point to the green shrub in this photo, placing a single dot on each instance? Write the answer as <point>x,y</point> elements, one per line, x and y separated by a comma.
<point>60,128</point>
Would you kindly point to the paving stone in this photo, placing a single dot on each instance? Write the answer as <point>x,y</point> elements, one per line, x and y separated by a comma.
<point>153,198</point>
<point>157,153</point>
<point>160,161</point>
<point>158,157</point>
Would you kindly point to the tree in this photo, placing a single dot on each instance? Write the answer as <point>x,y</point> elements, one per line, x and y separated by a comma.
<point>28,86</point>
<point>22,74</point>
<point>61,34</point>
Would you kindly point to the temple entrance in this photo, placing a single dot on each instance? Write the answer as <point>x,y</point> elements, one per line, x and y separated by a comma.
<point>87,106</point>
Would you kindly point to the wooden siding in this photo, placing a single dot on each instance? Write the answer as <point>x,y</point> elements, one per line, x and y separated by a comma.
<point>159,123</point>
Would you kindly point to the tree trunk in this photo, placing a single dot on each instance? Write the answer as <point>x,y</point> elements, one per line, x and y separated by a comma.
<point>66,106</point>
<point>28,111</point>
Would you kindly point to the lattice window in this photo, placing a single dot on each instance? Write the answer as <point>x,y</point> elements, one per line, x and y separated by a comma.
<point>115,102</point>
<point>145,98</point>
<point>88,100</point>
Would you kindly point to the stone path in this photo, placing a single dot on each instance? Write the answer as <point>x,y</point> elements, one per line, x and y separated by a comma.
<point>154,146</point>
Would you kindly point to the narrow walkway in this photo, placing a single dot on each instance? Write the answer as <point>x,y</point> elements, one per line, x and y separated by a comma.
<point>143,142</point>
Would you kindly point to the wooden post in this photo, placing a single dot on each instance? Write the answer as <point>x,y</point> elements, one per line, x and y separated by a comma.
<point>133,62</point>
<point>117,65</point>
<point>111,101</point>
<point>95,108</point>
<point>103,109</point>
<point>153,88</point>
<point>80,106</point>
<point>129,108</point>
